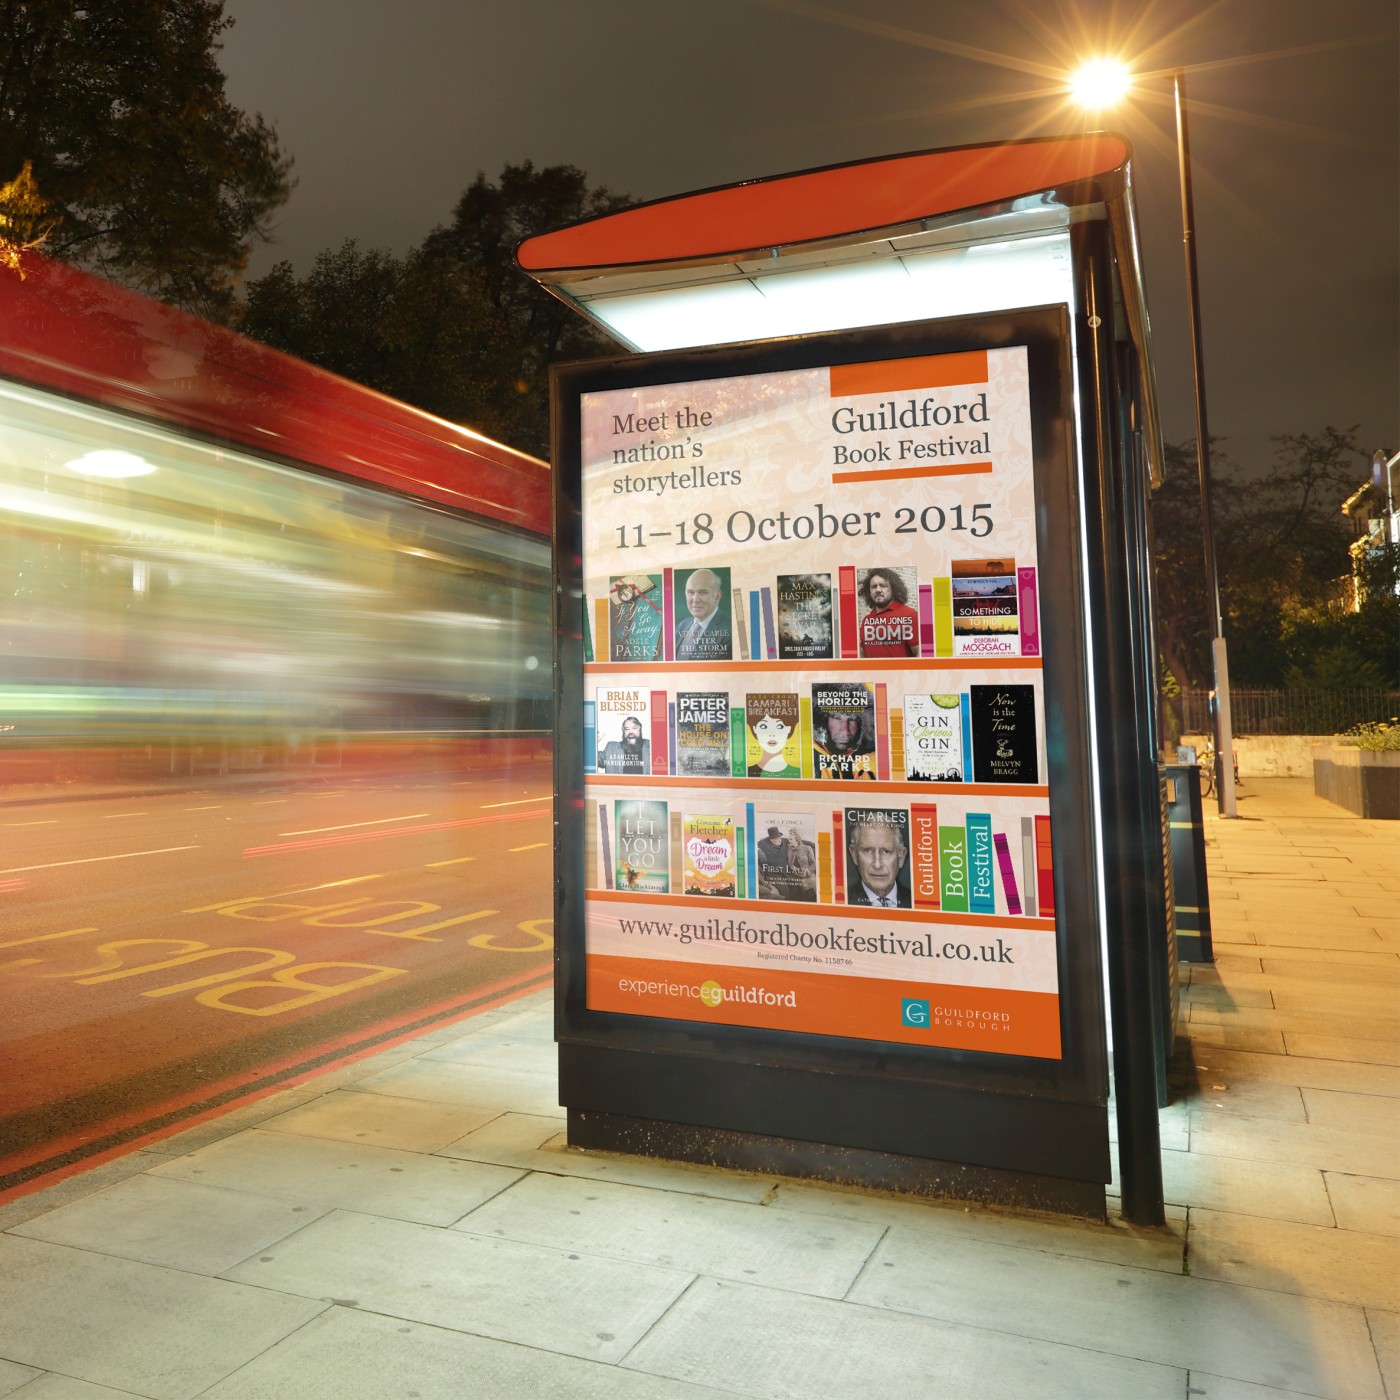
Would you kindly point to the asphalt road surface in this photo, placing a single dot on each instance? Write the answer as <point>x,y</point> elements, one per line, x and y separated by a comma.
<point>165,955</point>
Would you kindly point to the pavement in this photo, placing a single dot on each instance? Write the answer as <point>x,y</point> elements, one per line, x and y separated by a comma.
<point>412,1225</point>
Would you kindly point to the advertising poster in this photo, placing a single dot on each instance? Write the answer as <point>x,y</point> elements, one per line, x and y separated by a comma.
<point>815,788</point>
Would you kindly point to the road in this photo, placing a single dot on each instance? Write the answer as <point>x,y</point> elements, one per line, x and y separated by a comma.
<point>162,955</point>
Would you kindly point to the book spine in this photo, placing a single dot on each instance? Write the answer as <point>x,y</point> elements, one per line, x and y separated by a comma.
<point>1028,607</point>
<point>926,643</point>
<point>838,854</point>
<point>678,848</point>
<point>671,738</point>
<point>1028,863</point>
<point>824,867</point>
<point>770,631</point>
<point>587,633</point>
<point>882,732</point>
<point>897,743</point>
<point>1008,873</point>
<point>605,847</point>
<point>1044,868</point>
<point>755,626</point>
<point>952,862</point>
<point>847,600</point>
<point>741,629</point>
<point>738,743</point>
<point>943,617</point>
<point>659,734</point>
<point>590,736</point>
<point>965,712</point>
<point>600,631</point>
<point>668,614</point>
<point>923,849</point>
<point>804,709</point>
<point>744,869</point>
<point>750,844</point>
<point>981,881</point>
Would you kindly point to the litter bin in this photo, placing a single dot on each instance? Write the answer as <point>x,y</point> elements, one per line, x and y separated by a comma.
<point>1188,851</point>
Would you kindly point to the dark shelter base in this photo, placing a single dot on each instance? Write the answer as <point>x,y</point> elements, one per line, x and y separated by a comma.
<point>843,1166</point>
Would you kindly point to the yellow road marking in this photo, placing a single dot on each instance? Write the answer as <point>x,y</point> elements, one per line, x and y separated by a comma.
<point>378,821</point>
<point>90,860</point>
<point>264,898</point>
<point>519,802</point>
<point>438,864</point>
<point>535,847</point>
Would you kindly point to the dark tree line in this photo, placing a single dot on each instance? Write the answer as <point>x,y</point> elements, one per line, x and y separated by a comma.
<point>453,326</point>
<point>1281,543</point>
<point>149,174</point>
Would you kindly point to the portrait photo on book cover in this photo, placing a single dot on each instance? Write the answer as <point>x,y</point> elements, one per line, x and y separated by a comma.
<point>843,730</point>
<point>877,857</point>
<point>885,623</point>
<point>703,628</point>
<point>785,855</point>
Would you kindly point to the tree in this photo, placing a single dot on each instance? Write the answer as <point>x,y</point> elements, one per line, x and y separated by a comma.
<point>154,177</point>
<point>1281,544</point>
<point>454,327</point>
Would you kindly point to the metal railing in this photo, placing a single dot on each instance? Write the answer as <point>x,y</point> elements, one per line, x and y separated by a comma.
<point>1289,711</point>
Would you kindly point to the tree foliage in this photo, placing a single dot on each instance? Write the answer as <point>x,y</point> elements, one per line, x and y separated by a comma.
<point>1281,547</point>
<point>153,176</point>
<point>453,327</point>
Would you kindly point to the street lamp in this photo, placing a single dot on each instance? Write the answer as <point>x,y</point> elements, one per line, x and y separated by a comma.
<point>1098,84</point>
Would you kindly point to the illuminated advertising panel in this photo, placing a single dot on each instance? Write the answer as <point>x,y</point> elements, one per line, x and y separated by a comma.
<point>815,787</point>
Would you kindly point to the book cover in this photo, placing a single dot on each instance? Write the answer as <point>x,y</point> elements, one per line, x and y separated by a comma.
<point>843,730</point>
<point>773,737</point>
<point>643,845</point>
<point>933,744</point>
<point>623,721</point>
<point>805,627</point>
<point>710,863</point>
<point>877,857</point>
<point>1008,873</point>
<point>984,608</point>
<point>703,628</point>
<point>885,622</point>
<point>952,865</point>
<point>1003,734</point>
<point>702,734</point>
<point>785,854</point>
<point>635,617</point>
<point>924,880</point>
<point>981,879</point>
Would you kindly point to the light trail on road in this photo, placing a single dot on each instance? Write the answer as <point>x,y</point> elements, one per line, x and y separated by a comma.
<point>90,860</point>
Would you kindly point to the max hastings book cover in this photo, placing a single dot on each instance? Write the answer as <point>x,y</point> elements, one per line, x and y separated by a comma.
<point>804,617</point>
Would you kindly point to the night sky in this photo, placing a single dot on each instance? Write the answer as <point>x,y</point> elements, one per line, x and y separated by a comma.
<point>390,110</point>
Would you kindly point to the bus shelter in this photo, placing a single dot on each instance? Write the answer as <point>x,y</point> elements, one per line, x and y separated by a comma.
<point>859,850</point>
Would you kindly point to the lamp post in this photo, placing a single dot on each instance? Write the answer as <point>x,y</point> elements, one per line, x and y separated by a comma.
<point>1099,84</point>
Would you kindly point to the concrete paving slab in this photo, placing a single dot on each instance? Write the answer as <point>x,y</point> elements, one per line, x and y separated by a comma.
<point>1308,1045</point>
<point>1200,1386</point>
<point>1385,1335</point>
<point>157,1332</point>
<point>1370,1002</point>
<point>52,1386</point>
<point>12,1376</point>
<point>1224,998</point>
<point>351,1176</point>
<point>1377,954</point>
<point>547,1298</point>
<point>74,1188</point>
<point>1252,1334</point>
<point>1342,1265</point>
<point>1305,1071</point>
<point>1372,1113</point>
<point>778,1347</point>
<point>178,1224</point>
<point>479,1086</point>
<point>1377,970</point>
<point>725,1239</point>
<point>1286,1021</point>
<point>1217,1094</point>
<point>1348,939</point>
<point>1257,1040</point>
<point>1303,1144</point>
<point>1116,1242</point>
<point>536,1144</point>
<point>1277,1190</point>
<point>508,1050</point>
<point>350,1355</point>
<point>1370,1204</point>
<point>411,1125</point>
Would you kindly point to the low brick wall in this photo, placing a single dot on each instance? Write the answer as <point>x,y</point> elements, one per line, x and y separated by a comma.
<point>1272,755</point>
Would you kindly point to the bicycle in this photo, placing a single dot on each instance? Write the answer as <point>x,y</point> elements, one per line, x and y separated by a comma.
<point>1207,765</point>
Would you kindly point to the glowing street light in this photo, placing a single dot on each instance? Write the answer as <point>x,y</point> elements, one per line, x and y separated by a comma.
<point>1098,84</point>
